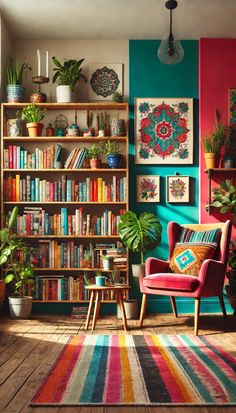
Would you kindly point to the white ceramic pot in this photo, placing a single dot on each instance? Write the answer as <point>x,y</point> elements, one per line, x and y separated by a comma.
<point>20,307</point>
<point>138,270</point>
<point>131,310</point>
<point>64,94</point>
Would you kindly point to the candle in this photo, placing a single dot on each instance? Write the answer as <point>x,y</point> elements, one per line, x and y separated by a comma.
<point>47,63</point>
<point>39,63</point>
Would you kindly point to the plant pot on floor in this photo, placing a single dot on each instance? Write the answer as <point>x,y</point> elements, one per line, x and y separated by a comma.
<point>20,307</point>
<point>64,94</point>
<point>15,93</point>
<point>138,270</point>
<point>210,160</point>
<point>131,310</point>
<point>34,129</point>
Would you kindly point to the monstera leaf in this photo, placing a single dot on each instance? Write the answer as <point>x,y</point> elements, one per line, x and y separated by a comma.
<point>140,234</point>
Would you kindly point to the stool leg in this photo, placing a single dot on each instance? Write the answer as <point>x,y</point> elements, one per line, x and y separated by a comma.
<point>89,310</point>
<point>96,309</point>
<point>120,302</point>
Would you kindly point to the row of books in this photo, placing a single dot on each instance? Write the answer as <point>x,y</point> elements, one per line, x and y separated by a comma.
<point>76,158</point>
<point>16,157</point>
<point>52,254</point>
<point>59,288</point>
<point>36,221</point>
<point>30,189</point>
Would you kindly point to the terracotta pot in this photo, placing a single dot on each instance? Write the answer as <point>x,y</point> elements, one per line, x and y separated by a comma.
<point>35,129</point>
<point>210,159</point>
<point>94,163</point>
<point>50,132</point>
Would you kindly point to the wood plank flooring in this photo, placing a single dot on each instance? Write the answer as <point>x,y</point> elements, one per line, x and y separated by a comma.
<point>28,348</point>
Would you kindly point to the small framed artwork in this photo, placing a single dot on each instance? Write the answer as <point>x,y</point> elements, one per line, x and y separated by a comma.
<point>148,188</point>
<point>177,188</point>
<point>104,80</point>
<point>164,131</point>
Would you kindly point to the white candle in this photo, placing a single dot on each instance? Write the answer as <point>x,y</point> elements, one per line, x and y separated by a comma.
<point>46,63</point>
<point>39,62</point>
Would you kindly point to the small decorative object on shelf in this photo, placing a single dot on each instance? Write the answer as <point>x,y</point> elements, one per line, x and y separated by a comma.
<point>213,143</point>
<point>107,262</point>
<point>15,74</point>
<point>33,116</point>
<point>39,80</point>
<point>117,127</point>
<point>61,125</point>
<point>15,126</point>
<point>67,75</point>
<point>50,131</point>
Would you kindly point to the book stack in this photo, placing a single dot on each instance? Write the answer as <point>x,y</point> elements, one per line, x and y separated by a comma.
<point>16,157</point>
<point>58,288</point>
<point>76,158</point>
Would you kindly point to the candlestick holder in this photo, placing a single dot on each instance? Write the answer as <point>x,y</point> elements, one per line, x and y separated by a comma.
<point>39,97</point>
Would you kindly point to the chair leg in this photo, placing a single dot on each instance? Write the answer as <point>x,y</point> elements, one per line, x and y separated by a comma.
<point>173,304</point>
<point>143,309</point>
<point>222,304</point>
<point>196,315</point>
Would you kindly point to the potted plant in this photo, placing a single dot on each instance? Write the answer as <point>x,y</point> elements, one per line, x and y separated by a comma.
<point>231,275</point>
<point>94,151</point>
<point>67,75</point>
<point>100,279</point>
<point>50,131</point>
<point>111,150</point>
<point>107,262</point>
<point>139,234</point>
<point>19,273</point>
<point>224,197</point>
<point>117,97</point>
<point>15,74</point>
<point>213,142</point>
<point>33,115</point>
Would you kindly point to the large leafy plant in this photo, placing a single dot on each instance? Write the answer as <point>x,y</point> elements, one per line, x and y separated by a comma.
<point>16,71</point>
<point>140,234</point>
<point>13,253</point>
<point>213,142</point>
<point>224,197</point>
<point>68,73</point>
<point>32,113</point>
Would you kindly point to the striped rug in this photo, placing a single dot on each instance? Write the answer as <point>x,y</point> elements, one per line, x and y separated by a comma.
<point>139,370</point>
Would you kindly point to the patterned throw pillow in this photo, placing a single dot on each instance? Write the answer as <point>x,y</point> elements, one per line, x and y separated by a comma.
<point>193,248</point>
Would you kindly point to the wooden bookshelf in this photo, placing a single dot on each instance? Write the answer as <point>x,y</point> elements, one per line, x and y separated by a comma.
<point>50,175</point>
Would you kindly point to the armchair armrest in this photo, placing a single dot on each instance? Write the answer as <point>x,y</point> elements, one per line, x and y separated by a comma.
<point>154,265</point>
<point>211,276</point>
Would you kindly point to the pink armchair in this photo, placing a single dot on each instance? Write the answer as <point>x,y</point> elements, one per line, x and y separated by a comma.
<point>159,280</point>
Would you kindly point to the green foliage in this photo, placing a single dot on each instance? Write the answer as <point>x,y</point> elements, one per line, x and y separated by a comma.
<point>140,234</point>
<point>117,97</point>
<point>32,113</point>
<point>115,276</point>
<point>213,142</point>
<point>224,197</point>
<point>68,73</point>
<point>109,147</point>
<point>94,151</point>
<point>16,71</point>
<point>17,272</point>
<point>232,255</point>
<point>98,274</point>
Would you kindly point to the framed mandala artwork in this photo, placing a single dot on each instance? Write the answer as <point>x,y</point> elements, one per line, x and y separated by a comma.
<point>163,131</point>
<point>104,80</point>
<point>148,188</point>
<point>177,188</point>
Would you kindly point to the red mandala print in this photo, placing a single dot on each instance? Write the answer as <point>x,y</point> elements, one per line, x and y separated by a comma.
<point>163,130</point>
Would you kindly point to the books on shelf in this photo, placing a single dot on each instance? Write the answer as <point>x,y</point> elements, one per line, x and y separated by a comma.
<point>36,221</point>
<point>34,189</point>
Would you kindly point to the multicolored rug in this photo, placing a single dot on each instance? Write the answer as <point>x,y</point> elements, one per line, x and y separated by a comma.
<point>139,370</point>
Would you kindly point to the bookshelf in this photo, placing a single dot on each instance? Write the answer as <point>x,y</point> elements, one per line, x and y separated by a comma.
<point>65,213</point>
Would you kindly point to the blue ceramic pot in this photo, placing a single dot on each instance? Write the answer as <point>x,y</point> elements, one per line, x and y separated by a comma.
<point>114,160</point>
<point>100,281</point>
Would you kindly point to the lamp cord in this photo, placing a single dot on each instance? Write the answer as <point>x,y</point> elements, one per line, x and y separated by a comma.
<point>170,38</point>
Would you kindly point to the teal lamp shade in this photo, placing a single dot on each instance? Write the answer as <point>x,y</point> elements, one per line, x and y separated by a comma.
<point>170,55</point>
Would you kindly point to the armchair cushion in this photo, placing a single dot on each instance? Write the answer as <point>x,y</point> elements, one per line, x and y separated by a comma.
<point>170,281</point>
<point>193,248</point>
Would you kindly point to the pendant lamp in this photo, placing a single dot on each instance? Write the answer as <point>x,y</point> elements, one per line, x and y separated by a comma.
<point>170,51</point>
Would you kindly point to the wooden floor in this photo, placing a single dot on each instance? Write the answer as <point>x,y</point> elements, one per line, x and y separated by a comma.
<point>28,349</point>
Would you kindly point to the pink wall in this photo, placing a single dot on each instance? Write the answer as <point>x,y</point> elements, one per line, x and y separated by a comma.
<point>217,73</point>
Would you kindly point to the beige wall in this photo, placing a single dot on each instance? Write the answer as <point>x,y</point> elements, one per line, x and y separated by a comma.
<point>5,52</point>
<point>93,51</point>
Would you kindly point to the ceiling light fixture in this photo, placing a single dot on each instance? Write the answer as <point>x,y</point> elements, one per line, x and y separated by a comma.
<point>170,51</point>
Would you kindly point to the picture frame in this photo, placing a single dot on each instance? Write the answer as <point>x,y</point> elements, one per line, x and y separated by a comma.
<point>177,188</point>
<point>148,188</point>
<point>164,131</point>
<point>104,80</point>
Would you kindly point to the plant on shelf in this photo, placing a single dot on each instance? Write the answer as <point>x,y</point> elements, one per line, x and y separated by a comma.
<point>224,197</point>
<point>94,151</point>
<point>115,276</point>
<point>15,75</point>
<point>33,115</point>
<point>111,150</point>
<point>19,272</point>
<point>213,143</point>
<point>67,75</point>
<point>99,278</point>
<point>139,234</point>
<point>107,262</point>
<point>231,275</point>
<point>117,97</point>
